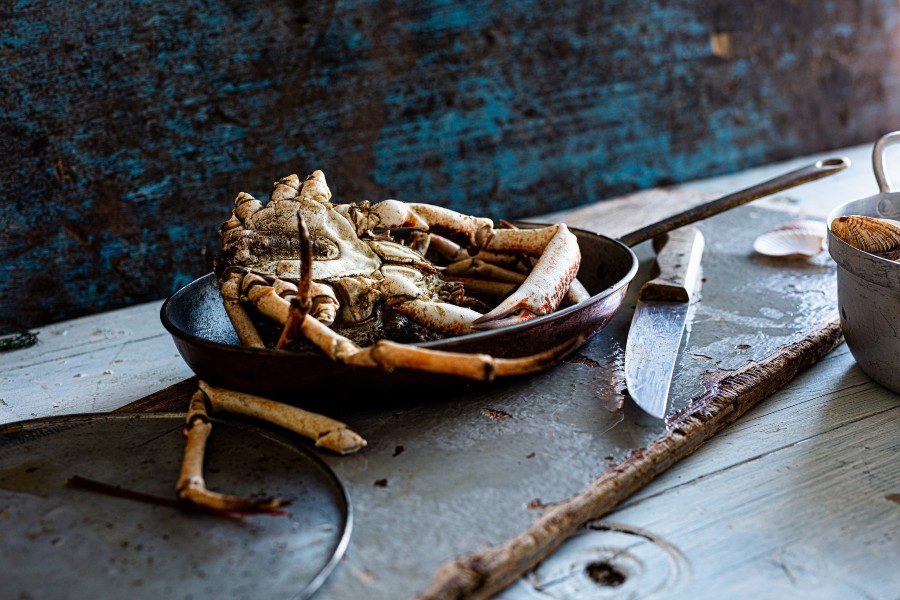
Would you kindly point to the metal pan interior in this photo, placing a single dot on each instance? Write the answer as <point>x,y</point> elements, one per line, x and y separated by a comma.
<point>63,542</point>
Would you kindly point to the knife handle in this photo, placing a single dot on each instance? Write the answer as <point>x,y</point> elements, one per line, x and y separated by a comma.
<point>678,256</point>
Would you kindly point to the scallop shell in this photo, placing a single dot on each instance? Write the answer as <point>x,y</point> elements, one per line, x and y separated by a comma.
<point>790,242</point>
<point>869,234</point>
<point>807,224</point>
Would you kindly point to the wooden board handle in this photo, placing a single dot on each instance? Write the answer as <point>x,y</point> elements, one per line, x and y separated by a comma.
<point>678,256</point>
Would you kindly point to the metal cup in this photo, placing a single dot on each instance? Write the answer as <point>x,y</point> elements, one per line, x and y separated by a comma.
<point>868,286</point>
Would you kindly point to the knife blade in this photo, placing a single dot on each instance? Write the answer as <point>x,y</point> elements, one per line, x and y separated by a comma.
<point>651,349</point>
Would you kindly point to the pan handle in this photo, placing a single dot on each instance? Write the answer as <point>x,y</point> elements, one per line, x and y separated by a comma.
<point>817,170</point>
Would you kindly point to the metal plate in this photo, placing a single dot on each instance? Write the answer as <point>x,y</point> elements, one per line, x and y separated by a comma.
<point>62,542</point>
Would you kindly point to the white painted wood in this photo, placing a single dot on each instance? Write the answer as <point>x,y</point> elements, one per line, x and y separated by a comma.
<point>92,364</point>
<point>798,499</point>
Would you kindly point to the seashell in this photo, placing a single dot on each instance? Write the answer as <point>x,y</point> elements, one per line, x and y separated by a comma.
<point>790,242</point>
<point>807,224</point>
<point>869,234</point>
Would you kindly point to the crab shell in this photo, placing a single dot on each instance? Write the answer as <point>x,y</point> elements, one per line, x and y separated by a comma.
<point>305,263</point>
<point>356,269</point>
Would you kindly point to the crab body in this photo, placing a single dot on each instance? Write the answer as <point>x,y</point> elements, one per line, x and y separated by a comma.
<point>359,286</point>
<point>332,276</point>
<point>359,276</point>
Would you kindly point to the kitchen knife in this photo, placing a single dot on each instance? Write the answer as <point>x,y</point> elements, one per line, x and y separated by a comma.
<point>654,339</point>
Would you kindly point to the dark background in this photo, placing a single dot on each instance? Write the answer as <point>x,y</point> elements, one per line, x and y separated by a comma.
<point>129,127</point>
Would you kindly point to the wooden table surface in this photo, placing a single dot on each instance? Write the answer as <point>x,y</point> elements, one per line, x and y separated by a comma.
<point>798,498</point>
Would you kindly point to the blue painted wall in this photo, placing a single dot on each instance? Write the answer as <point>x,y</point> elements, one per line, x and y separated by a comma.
<point>129,127</point>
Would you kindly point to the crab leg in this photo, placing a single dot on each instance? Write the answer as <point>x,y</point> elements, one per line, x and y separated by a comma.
<point>243,325</point>
<point>300,303</point>
<point>191,485</point>
<point>577,293</point>
<point>500,289</point>
<point>481,268</point>
<point>453,252</point>
<point>324,431</point>
<point>441,316</point>
<point>389,214</point>
<point>391,355</point>
<point>551,277</point>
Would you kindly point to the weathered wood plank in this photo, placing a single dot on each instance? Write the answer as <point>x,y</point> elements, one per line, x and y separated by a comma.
<point>791,420</point>
<point>127,133</point>
<point>488,571</point>
<point>90,364</point>
<point>812,518</point>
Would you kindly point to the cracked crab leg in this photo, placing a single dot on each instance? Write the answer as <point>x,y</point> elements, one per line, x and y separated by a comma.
<point>551,277</point>
<point>390,355</point>
<point>191,485</point>
<point>300,303</point>
<point>324,431</point>
<point>243,325</point>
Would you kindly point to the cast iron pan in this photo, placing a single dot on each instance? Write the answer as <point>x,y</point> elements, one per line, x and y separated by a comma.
<point>204,336</point>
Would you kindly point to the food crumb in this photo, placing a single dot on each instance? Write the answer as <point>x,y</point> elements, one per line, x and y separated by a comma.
<point>530,455</point>
<point>366,576</point>
<point>582,360</point>
<point>496,415</point>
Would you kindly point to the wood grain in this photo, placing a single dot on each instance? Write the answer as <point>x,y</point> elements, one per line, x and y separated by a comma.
<point>174,398</point>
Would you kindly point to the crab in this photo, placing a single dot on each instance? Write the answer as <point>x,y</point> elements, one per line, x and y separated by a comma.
<point>359,277</point>
<point>337,276</point>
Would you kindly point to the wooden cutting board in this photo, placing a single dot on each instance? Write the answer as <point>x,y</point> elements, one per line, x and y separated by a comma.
<point>460,493</point>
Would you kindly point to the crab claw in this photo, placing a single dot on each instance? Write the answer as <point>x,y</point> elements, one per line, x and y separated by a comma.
<point>549,280</point>
<point>519,316</point>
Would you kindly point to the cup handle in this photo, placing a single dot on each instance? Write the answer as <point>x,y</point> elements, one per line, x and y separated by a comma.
<point>878,164</point>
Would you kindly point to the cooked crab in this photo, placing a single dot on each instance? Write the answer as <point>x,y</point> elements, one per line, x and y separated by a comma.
<point>359,277</point>
<point>333,275</point>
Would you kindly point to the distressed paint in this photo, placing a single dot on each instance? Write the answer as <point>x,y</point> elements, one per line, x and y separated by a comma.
<point>128,128</point>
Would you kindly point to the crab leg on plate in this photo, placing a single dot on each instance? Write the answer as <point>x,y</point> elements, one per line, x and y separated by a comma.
<point>191,487</point>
